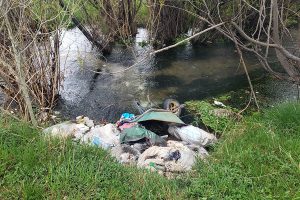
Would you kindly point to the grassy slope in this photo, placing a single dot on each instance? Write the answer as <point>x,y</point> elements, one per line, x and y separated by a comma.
<point>32,168</point>
<point>258,159</point>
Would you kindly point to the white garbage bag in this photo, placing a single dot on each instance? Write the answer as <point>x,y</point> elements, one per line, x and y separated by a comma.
<point>199,151</point>
<point>125,154</point>
<point>103,136</point>
<point>66,129</point>
<point>192,135</point>
<point>173,158</point>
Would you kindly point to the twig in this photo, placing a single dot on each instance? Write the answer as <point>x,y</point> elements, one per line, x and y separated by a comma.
<point>250,99</point>
<point>298,93</point>
<point>245,68</point>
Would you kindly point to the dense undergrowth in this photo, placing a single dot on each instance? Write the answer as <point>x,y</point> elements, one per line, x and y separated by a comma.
<point>258,158</point>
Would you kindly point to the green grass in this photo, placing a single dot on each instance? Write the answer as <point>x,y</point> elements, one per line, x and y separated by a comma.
<point>257,159</point>
<point>32,168</point>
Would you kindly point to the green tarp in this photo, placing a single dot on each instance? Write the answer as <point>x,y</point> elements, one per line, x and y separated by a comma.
<point>137,133</point>
<point>159,116</point>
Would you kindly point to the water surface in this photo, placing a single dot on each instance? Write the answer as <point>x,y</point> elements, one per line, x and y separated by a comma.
<point>184,73</point>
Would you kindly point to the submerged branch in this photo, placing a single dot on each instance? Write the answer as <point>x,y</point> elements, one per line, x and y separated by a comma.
<point>187,39</point>
<point>163,49</point>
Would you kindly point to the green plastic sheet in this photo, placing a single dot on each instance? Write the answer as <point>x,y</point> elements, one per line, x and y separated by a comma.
<point>136,133</point>
<point>160,116</point>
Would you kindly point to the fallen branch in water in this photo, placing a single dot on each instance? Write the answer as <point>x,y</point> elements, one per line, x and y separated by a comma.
<point>161,50</point>
<point>187,39</point>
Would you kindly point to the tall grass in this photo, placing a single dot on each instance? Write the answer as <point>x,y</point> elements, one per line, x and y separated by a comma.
<point>257,159</point>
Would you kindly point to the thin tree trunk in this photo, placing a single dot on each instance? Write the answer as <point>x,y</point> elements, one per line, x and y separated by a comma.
<point>289,68</point>
<point>20,73</point>
<point>85,32</point>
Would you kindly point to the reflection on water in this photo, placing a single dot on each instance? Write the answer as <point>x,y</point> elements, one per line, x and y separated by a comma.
<point>184,73</point>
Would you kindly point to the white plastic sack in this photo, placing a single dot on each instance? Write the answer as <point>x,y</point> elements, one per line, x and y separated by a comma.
<point>103,136</point>
<point>199,151</point>
<point>157,158</point>
<point>192,135</point>
<point>125,154</point>
<point>66,129</point>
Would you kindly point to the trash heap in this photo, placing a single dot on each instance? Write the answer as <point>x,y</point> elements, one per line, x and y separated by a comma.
<point>156,140</point>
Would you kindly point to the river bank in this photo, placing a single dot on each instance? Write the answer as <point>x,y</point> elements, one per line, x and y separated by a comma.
<point>260,152</point>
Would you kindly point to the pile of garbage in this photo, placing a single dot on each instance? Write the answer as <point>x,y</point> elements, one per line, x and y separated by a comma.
<point>156,140</point>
